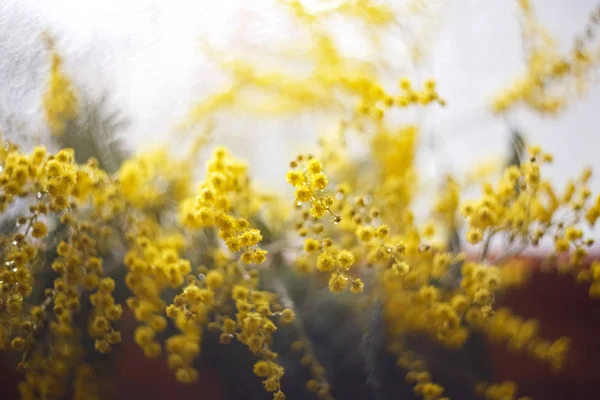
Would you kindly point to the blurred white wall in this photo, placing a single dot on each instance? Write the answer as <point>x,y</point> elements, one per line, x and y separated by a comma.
<point>146,53</point>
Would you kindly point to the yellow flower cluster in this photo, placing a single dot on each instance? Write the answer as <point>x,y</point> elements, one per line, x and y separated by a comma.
<point>226,186</point>
<point>524,335</point>
<point>55,186</point>
<point>374,101</point>
<point>524,207</point>
<point>189,312</point>
<point>58,175</point>
<point>148,179</point>
<point>153,265</point>
<point>394,155</point>
<point>550,77</point>
<point>318,383</point>
<point>595,275</point>
<point>86,384</point>
<point>59,102</point>
<point>419,377</point>
<point>271,373</point>
<point>105,312</point>
<point>307,177</point>
<point>278,92</point>
<point>255,330</point>
<point>373,13</point>
<point>79,267</point>
<point>447,204</point>
<point>84,201</point>
<point>498,391</point>
<point>414,307</point>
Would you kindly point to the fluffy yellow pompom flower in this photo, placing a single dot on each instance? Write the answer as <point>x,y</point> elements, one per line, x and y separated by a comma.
<point>39,230</point>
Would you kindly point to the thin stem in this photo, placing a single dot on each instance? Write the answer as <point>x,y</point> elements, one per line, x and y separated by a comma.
<point>486,247</point>
<point>508,254</point>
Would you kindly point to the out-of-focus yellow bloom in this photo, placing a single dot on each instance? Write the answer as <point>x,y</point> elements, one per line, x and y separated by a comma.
<point>59,101</point>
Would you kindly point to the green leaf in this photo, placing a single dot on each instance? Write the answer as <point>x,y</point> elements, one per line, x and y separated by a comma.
<point>95,133</point>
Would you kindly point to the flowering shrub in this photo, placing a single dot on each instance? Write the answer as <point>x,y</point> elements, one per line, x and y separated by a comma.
<point>88,248</point>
